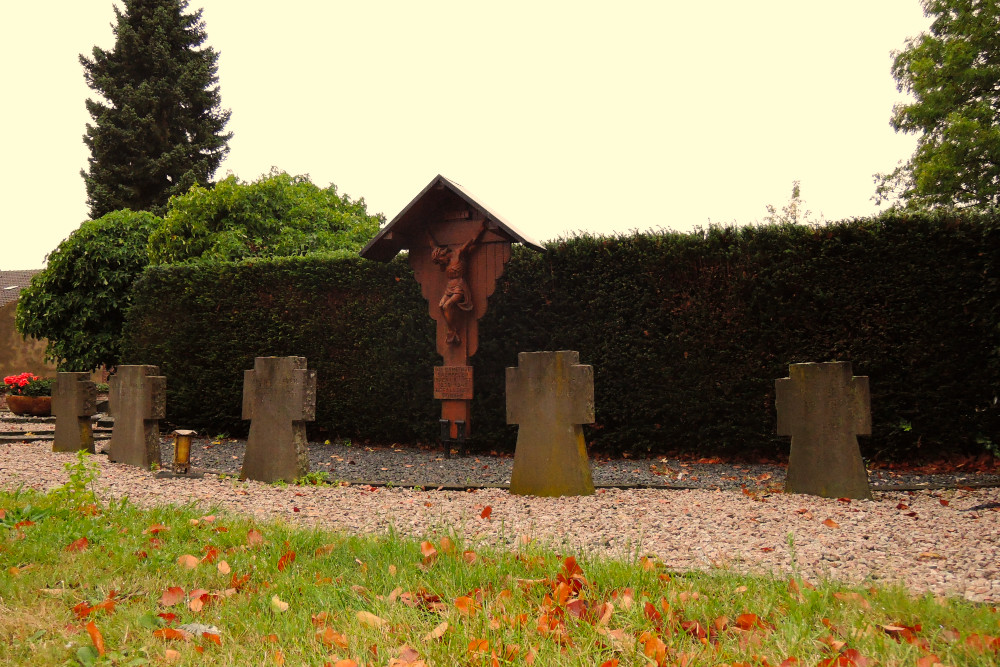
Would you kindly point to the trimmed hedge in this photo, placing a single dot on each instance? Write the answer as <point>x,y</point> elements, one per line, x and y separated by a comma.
<point>686,333</point>
<point>358,323</point>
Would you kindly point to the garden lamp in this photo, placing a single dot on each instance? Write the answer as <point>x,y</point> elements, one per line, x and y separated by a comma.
<point>182,450</point>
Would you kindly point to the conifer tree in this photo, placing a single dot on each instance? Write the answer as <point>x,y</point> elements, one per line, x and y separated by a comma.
<point>160,127</point>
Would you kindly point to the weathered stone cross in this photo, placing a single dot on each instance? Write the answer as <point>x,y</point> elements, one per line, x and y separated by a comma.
<point>823,407</point>
<point>74,400</point>
<point>549,395</point>
<point>137,401</point>
<point>279,397</point>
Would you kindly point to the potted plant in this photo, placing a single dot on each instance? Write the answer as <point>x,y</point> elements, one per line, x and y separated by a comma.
<point>28,394</point>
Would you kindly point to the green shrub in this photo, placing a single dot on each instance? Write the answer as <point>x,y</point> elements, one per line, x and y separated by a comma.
<point>275,216</point>
<point>78,301</point>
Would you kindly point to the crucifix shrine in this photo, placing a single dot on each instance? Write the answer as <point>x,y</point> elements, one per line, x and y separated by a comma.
<point>74,401</point>
<point>549,396</point>
<point>824,407</point>
<point>457,249</point>
<point>279,397</point>
<point>137,400</point>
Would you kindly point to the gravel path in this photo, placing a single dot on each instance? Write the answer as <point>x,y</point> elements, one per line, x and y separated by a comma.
<point>945,542</point>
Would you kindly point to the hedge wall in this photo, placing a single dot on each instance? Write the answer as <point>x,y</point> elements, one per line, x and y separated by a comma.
<point>686,333</point>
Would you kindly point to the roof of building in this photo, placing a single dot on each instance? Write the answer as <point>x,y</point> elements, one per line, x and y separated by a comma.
<point>392,238</point>
<point>11,283</point>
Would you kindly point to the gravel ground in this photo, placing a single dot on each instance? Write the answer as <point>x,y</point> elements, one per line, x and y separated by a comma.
<point>943,541</point>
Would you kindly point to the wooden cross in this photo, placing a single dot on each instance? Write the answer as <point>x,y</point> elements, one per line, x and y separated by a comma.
<point>279,397</point>
<point>549,396</point>
<point>74,401</point>
<point>823,407</point>
<point>137,401</point>
<point>457,249</point>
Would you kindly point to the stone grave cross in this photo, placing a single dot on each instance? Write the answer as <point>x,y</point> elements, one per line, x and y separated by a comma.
<point>74,401</point>
<point>137,401</point>
<point>823,407</point>
<point>279,397</point>
<point>549,396</point>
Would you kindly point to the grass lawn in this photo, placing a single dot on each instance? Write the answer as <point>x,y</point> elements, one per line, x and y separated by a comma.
<point>88,584</point>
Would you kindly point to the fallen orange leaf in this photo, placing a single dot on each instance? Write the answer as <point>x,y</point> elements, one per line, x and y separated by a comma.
<point>562,592</point>
<point>428,551</point>
<point>408,654</point>
<point>254,538</point>
<point>437,632</point>
<point>654,648</point>
<point>751,621</point>
<point>171,633</point>
<point>278,605</point>
<point>830,523</point>
<point>486,512</point>
<point>287,559</point>
<point>95,636</point>
<point>172,596</point>
<point>370,620</point>
<point>326,550</point>
<point>78,545</point>
<point>212,637</point>
<point>188,561</point>
<point>331,637</point>
<point>465,605</point>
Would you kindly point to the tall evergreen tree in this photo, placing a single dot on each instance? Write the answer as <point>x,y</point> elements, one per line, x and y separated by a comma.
<point>160,129</point>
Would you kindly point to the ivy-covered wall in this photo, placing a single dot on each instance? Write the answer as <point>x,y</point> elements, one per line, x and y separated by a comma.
<point>686,333</point>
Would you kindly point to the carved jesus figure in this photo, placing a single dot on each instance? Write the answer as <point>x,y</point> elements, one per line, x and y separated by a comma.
<point>456,293</point>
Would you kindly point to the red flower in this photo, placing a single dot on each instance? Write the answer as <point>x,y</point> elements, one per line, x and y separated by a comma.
<point>16,382</point>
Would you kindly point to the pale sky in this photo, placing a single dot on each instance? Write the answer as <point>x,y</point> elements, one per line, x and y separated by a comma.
<point>560,116</point>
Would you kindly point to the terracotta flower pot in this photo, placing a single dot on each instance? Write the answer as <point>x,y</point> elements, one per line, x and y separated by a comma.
<point>36,406</point>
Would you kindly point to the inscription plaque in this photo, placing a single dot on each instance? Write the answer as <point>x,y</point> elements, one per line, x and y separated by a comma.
<point>453,383</point>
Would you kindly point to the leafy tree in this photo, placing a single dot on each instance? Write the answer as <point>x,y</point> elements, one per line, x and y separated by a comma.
<point>160,130</point>
<point>794,212</point>
<point>953,72</point>
<point>78,301</point>
<point>276,215</point>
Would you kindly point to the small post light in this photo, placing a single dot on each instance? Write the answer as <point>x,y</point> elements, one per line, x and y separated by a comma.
<point>182,451</point>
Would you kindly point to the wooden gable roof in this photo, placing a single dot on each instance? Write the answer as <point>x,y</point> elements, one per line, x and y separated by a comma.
<point>434,200</point>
